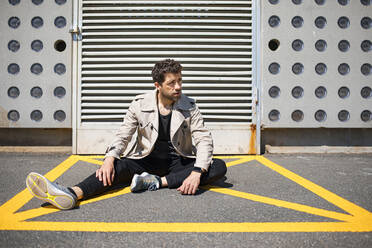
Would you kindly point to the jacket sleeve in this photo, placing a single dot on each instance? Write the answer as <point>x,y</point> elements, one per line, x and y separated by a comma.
<point>202,139</point>
<point>125,133</point>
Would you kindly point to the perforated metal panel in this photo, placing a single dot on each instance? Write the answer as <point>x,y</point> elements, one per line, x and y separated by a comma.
<point>121,41</point>
<point>316,63</point>
<point>35,75</point>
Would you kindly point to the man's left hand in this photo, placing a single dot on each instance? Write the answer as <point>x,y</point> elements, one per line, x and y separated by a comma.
<point>190,184</point>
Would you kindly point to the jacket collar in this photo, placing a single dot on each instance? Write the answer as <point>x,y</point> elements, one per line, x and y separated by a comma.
<point>149,102</point>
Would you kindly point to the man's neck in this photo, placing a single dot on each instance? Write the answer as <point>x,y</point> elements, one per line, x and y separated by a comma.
<point>164,105</point>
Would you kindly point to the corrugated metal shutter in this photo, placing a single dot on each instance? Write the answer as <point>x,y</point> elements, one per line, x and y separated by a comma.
<point>123,39</point>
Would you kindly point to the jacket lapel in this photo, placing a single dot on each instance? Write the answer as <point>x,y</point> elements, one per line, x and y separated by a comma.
<point>183,104</point>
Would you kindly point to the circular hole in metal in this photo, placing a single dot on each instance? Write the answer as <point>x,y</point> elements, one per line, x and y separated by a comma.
<point>14,22</point>
<point>320,92</point>
<point>37,45</point>
<point>365,2</point>
<point>274,68</point>
<point>14,2</point>
<point>343,115</point>
<point>297,21</point>
<point>343,92</point>
<point>60,2</point>
<point>37,2</point>
<point>320,68</point>
<point>297,2</point>
<point>13,92</point>
<point>366,92</point>
<point>320,45</point>
<point>13,45</point>
<point>297,92</point>
<point>13,115</point>
<point>343,22</point>
<point>297,115</point>
<point>366,45</point>
<point>60,21</point>
<point>274,21</point>
<point>36,115</point>
<point>60,68</point>
<point>320,2</point>
<point>59,115</point>
<point>36,92</point>
<point>274,44</point>
<point>343,69</point>
<point>274,115</point>
<point>343,2</point>
<point>366,22</point>
<point>59,92</point>
<point>274,91</point>
<point>60,45</point>
<point>320,115</point>
<point>366,69</point>
<point>320,22</point>
<point>36,68</point>
<point>13,68</point>
<point>37,22</point>
<point>343,46</point>
<point>297,68</point>
<point>366,115</point>
<point>297,45</point>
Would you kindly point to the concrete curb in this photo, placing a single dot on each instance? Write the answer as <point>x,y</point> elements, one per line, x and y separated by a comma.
<point>37,149</point>
<point>319,149</point>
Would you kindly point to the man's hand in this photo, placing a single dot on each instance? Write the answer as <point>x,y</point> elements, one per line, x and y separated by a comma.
<point>107,171</point>
<point>190,184</point>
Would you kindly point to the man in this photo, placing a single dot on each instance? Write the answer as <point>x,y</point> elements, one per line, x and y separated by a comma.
<point>162,155</point>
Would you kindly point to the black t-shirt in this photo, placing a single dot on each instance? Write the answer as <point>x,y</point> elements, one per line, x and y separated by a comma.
<point>163,148</point>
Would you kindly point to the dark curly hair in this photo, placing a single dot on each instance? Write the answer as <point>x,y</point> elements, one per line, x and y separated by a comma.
<point>165,66</point>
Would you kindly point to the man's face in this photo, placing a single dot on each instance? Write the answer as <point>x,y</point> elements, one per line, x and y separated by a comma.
<point>171,88</point>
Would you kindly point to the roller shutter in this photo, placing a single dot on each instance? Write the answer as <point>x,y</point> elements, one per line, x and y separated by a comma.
<point>121,41</point>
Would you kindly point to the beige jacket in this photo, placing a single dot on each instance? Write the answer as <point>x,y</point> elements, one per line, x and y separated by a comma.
<point>187,127</point>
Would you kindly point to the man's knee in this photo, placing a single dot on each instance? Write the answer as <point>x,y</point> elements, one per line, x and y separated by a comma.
<point>220,166</point>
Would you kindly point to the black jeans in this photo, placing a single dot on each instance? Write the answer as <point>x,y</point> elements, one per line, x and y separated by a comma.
<point>175,170</point>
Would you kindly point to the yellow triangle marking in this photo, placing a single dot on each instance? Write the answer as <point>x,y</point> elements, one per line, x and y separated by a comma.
<point>359,221</point>
<point>283,204</point>
<point>349,207</point>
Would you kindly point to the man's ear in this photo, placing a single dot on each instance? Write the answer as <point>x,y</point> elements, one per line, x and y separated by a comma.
<point>157,85</point>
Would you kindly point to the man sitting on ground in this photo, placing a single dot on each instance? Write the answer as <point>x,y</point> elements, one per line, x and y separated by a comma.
<point>167,123</point>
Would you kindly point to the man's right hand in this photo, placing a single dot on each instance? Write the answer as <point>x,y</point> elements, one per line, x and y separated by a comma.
<point>107,171</point>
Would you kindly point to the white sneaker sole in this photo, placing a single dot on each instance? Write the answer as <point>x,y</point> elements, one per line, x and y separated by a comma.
<point>41,188</point>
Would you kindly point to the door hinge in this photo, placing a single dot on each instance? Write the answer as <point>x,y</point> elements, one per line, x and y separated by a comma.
<point>76,33</point>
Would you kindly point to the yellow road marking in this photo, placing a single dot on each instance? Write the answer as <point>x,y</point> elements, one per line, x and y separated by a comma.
<point>359,221</point>
<point>353,209</point>
<point>283,204</point>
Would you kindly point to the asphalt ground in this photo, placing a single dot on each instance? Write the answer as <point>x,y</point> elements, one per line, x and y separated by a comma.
<point>265,201</point>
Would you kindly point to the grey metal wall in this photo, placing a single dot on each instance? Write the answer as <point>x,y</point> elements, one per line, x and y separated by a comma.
<point>316,63</point>
<point>35,65</point>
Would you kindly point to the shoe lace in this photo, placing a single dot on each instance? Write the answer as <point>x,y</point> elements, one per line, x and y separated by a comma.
<point>150,183</point>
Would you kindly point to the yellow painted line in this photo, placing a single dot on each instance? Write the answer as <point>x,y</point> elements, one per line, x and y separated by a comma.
<point>90,160</point>
<point>25,196</point>
<point>33,213</point>
<point>189,227</point>
<point>240,161</point>
<point>283,204</point>
<point>360,214</point>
